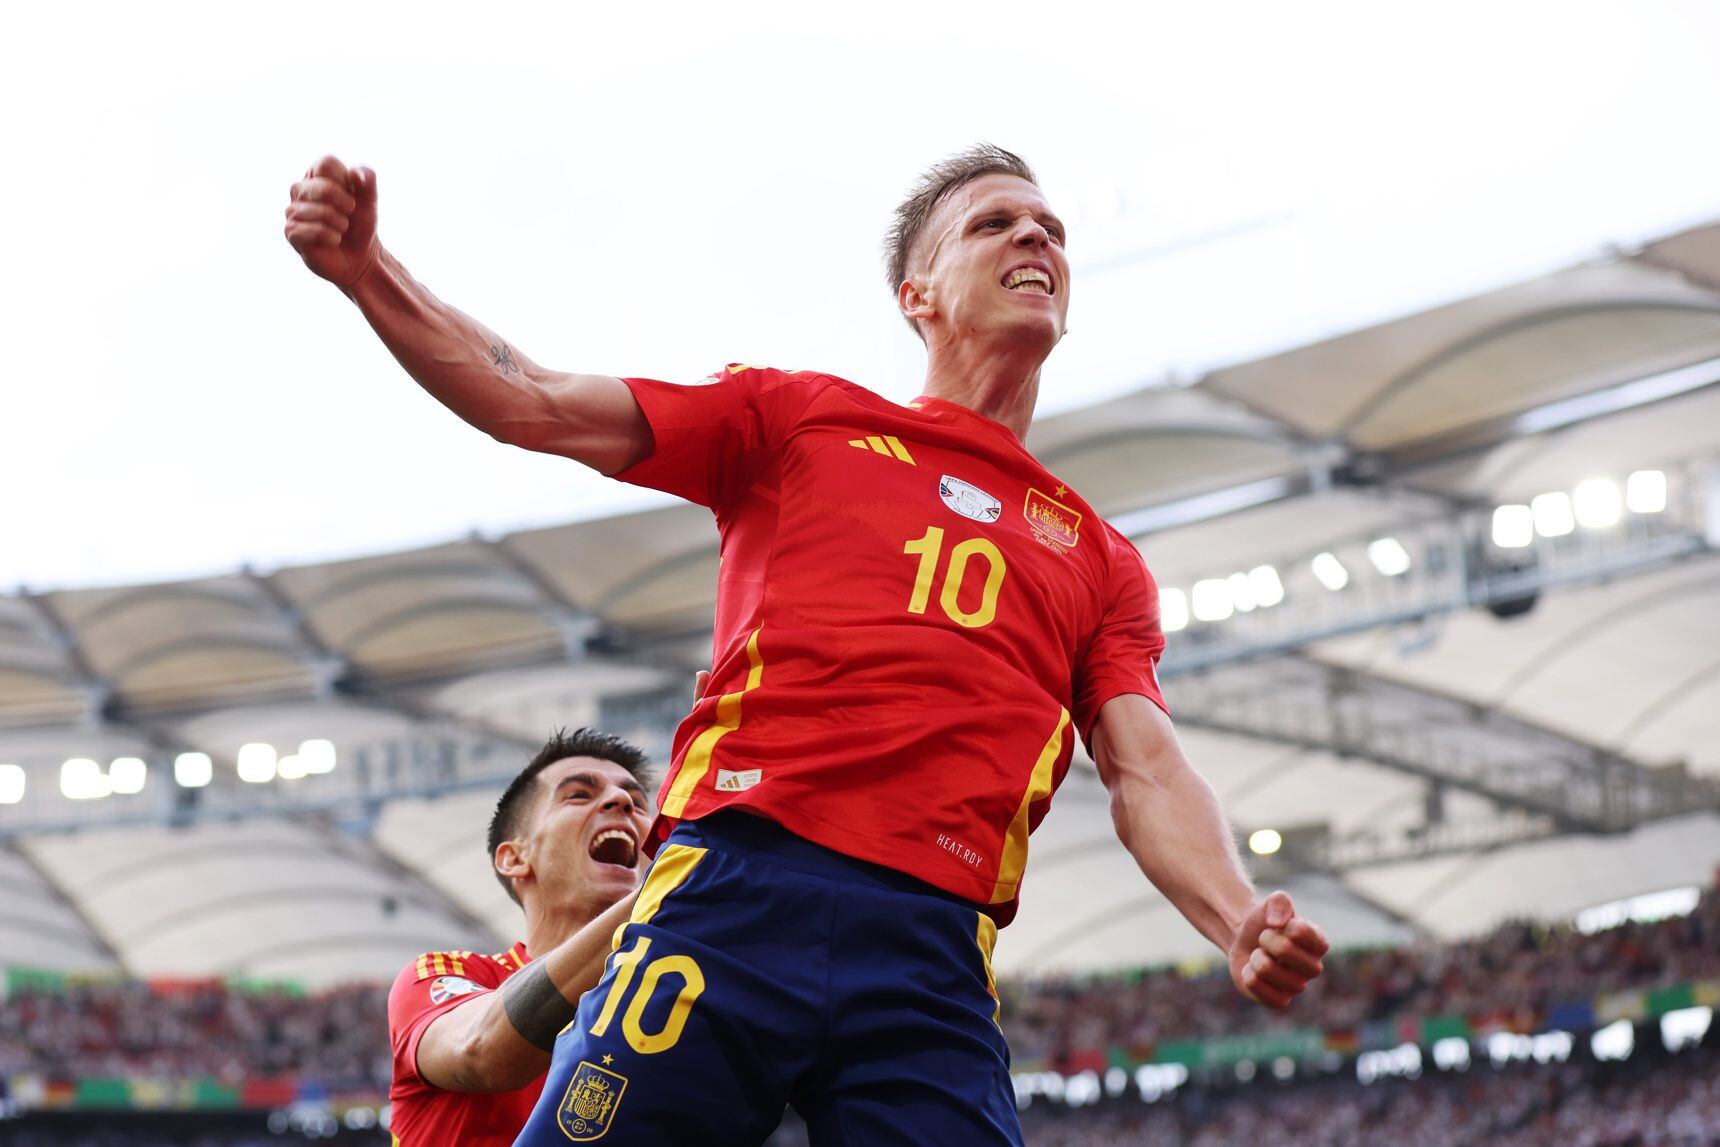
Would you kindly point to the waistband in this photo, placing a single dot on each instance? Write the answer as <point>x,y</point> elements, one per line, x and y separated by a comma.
<point>732,831</point>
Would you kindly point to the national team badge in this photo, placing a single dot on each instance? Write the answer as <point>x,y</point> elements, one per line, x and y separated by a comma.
<point>1052,520</point>
<point>445,988</point>
<point>590,1103</point>
<point>968,500</point>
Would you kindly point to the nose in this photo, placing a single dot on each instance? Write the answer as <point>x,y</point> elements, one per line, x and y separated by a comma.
<point>616,799</point>
<point>1028,233</point>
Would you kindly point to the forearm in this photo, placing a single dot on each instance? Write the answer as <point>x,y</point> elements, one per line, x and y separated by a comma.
<point>504,1040</point>
<point>462,363</point>
<point>1175,830</point>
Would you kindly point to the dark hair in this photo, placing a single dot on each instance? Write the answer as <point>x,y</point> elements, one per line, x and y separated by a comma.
<point>560,746</point>
<point>933,185</point>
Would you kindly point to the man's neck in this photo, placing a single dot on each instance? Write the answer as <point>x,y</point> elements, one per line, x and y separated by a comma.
<point>546,928</point>
<point>1000,383</point>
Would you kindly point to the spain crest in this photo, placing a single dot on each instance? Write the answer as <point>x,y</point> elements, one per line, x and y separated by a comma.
<point>590,1103</point>
<point>1051,519</point>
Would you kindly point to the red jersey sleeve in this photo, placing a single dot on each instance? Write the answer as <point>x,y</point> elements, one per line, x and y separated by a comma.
<point>713,438</point>
<point>414,1002</point>
<point>1123,654</point>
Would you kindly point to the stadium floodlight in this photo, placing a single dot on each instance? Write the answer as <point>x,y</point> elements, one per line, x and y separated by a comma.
<point>81,779</point>
<point>1513,526</point>
<point>1173,612</point>
<point>1553,516</point>
<point>1598,503</point>
<point>193,770</point>
<point>1268,589</point>
<point>290,767</point>
<point>1685,1027</point>
<point>1330,571</point>
<point>257,762</point>
<point>127,774</point>
<point>1265,841</point>
<point>11,784</point>
<point>1241,593</point>
<point>1645,492</point>
<point>1212,599</point>
<point>1614,1042</point>
<point>1388,556</point>
<point>318,756</point>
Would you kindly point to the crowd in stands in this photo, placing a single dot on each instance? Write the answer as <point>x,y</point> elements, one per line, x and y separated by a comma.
<point>1518,966</point>
<point>131,1030</point>
<point>1653,1099</point>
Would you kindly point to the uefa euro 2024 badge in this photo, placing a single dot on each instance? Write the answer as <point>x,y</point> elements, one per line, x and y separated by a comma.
<point>968,500</point>
<point>589,1107</point>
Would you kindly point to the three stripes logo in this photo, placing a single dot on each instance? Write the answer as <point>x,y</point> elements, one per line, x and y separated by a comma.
<point>886,444</point>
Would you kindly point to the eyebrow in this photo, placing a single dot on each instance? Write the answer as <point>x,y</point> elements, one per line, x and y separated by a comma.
<point>995,209</point>
<point>594,780</point>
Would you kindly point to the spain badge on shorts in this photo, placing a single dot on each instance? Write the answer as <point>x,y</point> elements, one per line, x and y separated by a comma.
<point>588,1108</point>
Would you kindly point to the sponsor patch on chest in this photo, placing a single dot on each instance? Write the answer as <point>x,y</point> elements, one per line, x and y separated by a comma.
<point>968,500</point>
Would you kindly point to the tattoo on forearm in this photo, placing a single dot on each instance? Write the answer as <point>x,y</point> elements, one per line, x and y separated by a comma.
<point>504,356</point>
<point>535,1007</point>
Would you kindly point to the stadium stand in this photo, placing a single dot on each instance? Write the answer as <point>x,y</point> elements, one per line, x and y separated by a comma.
<point>76,1042</point>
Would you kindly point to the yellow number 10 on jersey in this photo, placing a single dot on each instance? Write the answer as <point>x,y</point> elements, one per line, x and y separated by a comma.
<point>930,548</point>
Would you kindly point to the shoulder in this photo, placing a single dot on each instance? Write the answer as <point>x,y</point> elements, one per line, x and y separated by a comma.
<point>456,972</point>
<point>768,379</point>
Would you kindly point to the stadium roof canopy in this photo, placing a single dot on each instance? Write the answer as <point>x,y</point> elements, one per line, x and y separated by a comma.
<point>1492,731</point>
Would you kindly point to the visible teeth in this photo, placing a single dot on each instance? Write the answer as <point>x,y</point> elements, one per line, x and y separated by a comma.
<point>1028,275</point>
<point>610,834</point>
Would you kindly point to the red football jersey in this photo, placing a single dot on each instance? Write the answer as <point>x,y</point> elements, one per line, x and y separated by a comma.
<point>422,1114</point>
<point>913,620</point>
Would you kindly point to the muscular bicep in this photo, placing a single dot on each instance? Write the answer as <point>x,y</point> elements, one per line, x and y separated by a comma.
<point>445,1049</point>
<point>591,418</point>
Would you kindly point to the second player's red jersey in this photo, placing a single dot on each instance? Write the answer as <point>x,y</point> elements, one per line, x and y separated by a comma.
<point>422,1114</point>
<point>914,620</point>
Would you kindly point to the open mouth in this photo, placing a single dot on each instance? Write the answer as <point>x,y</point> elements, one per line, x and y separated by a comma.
<point>1030,279</point>
<point>615,846</point>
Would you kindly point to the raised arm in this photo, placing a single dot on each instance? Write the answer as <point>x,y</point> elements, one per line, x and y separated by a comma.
<point>591,418</point>
<point>1168,818</point>
<point>502,1040</point>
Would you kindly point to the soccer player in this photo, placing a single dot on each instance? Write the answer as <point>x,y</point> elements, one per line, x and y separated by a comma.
<point>914,621</point>
<point>472,1034</point>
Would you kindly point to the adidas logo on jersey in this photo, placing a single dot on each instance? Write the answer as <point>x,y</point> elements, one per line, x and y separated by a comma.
<point>886,444</point>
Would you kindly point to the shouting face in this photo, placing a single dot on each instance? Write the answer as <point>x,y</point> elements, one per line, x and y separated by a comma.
<point>580,845</point>
<point>990,265</point>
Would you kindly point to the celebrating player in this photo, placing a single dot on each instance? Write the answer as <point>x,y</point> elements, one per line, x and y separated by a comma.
<point>472,1034</point>
<point>914,620</point>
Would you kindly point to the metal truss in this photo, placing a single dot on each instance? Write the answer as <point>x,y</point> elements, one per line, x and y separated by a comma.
<point>1569,785</point>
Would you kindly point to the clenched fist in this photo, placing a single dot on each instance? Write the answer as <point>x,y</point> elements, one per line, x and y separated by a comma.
<point>331,220</point>
<point>1276,953</point>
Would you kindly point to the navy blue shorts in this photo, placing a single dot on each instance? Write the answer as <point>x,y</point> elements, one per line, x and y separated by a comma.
<point>761,970</point>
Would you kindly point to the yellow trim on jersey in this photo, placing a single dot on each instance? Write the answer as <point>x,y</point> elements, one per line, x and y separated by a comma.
<point>423,967</point>
<point>674,863</point>
<point>697,762</point>
<point>898,449</point>
<point>1014,861</point>
<point>986,937</point>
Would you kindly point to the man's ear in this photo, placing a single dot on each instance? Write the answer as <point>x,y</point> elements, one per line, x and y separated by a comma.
<point>511,862</point>
<point>914,299</point>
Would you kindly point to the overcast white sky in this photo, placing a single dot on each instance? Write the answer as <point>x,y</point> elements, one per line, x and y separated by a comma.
<point>666,188</point>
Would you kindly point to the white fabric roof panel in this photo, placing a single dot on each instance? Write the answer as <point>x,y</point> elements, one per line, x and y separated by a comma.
<point>232,899</point>
<point>1509,350</point>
